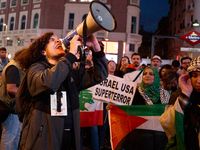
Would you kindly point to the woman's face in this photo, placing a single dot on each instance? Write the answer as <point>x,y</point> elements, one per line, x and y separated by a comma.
<point>148,76</point>
<point>54,48</point>
<point>124,61</point>
<point>163,71</point>
<point>111,66</point>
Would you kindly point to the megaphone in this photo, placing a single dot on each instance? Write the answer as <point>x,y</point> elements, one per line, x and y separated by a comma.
<point>98,18</point>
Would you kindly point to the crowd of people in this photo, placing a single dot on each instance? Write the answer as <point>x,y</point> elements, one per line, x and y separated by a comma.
<point>44,71</point>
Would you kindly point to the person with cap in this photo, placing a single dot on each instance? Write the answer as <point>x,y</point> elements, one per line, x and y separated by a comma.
<point>185,62</point>
<point>156,62</point>
<point>175,65</point>
<point>181,119</point>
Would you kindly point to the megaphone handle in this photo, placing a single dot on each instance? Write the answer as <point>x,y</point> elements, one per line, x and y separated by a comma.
<point>84,33</point>
<point>69,37</point>
<point>79,51</point>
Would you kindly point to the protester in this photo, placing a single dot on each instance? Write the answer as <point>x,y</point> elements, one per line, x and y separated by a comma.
<point>104,131</point>
<point>175,65</point>
<point>143,66</point>
<point>50,78</point>
<point>185,62</point>
<point>3,59</point>
<point>111,67</point>
<point>150,91</point>
<point>11,77</point>
<point>90,132</point>
<point>163,69</point>
<point>123,63</point>
<point>170,80</point>
<point>136,59</point>
<point>133,72</point>
<point>156,62</point>
<point>181,118</point>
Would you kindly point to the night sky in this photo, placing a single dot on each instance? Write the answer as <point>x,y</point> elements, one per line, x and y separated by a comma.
<point>151,11</point>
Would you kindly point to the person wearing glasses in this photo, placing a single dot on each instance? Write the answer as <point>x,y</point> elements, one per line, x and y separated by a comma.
<point>185,63</point>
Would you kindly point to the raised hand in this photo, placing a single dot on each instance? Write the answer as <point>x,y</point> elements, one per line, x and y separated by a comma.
<point>93,43</point>
<point>74,43</point>
<point>185,84</point>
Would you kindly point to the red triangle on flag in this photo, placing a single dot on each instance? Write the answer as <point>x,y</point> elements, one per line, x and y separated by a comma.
<point>121,126</point>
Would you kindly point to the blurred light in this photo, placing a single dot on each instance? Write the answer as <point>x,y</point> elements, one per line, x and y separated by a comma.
<point>195,23</point>
<point>9,56</point>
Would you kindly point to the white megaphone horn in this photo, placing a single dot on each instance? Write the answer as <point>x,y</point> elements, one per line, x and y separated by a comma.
<point>98,18</point>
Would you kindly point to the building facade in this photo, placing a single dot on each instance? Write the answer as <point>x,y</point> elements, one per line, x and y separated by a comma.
<point>182,15</point>
<point>22,21</point>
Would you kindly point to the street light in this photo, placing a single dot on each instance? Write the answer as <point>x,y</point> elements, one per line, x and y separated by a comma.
<point>195,23</point>
<point>5,25</point>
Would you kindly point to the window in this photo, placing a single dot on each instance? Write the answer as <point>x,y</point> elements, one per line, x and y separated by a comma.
<point>134,2</point>
<point>171,6</point>
<point>1,24</point>
<point>35,1</point>
<point>13,2</point>
<point>71,21</point>
<point>0,42</point>
<point>9,42</point>
<point>23,22</point>
<point>86,0</point>
<point>133,25</point>
<point>84,16</point>
<point>132,47</point>
<point>35,21</point>
<point>3,5</point>
<point>174,30</point>
<point>32,40</point>
<point>21,42</point>
<point>183,23</point>
<point>191,18</point>
<point>170,33</point>
<point>24,1</point>
<point>11,23</point>
<point>103,1</point>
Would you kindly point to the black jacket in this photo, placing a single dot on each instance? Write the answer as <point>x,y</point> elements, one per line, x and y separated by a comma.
<point>40,130</point>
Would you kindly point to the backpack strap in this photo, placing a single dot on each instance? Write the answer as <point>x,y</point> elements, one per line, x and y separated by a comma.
<point>137,76</point>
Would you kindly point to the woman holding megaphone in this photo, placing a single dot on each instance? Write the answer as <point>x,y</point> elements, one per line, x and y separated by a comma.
<point>52,120</point>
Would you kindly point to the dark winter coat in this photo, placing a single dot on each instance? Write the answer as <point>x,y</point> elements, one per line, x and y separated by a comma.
<point>40,130</point>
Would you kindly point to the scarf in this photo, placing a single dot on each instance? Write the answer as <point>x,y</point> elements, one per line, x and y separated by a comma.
<point>153,90</point>
<point>164,96</point>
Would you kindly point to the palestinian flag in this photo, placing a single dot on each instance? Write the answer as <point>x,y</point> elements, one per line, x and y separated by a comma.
<point>91,111</point>
<point>173,124</point>
<point>137,127</point>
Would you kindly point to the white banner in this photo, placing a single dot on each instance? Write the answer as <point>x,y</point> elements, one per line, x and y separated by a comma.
<point>115,90</point>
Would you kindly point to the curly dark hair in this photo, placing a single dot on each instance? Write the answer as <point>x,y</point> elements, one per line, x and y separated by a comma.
<point>33,53</point>
<point>18,53</point>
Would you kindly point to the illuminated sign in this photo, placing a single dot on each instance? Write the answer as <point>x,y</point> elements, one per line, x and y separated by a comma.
<point>112,47</point>
<point>192,37</point>
<point>190,49</point>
